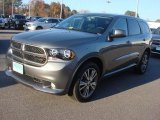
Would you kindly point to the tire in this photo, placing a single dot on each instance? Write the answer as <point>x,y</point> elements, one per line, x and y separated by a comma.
<point>39,28</point>
<point>142,66</point>
<point>86,82</point>
<point>15,27</point>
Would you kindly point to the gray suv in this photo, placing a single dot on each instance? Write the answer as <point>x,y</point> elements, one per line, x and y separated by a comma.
<point>74,55</point>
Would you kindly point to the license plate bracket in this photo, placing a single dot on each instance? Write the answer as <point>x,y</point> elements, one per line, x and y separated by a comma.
<point>17,67</point>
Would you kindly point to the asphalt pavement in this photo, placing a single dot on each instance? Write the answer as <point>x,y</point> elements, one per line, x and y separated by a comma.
<point>125,96</point>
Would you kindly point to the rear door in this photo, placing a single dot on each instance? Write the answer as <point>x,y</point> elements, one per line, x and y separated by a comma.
<point>137,39</point>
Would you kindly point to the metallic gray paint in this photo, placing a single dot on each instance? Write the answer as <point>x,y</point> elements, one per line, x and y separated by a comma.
<point>116,55</point>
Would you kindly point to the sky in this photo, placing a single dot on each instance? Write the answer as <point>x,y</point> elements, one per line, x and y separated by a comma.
<point>148,9</point>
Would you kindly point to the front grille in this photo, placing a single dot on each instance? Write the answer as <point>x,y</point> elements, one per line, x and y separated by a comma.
<point>36,59</point>
<point>28,53</point>
<point>34,49</point>
<point>17,53</point>
<point>16,45</point>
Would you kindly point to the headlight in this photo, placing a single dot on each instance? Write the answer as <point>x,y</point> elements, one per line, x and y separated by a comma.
<point>64,54</point>
<point>33,25</point>
<point>17,22</point>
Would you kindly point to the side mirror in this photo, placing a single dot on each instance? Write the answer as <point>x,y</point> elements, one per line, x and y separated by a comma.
<point>118,33</point>
<point>46,21</point>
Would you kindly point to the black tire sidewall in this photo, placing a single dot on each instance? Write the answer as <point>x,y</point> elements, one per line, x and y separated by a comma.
<point>139,69</point>
<point>79,74</point>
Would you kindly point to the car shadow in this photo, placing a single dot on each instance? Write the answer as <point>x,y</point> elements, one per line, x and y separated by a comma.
<point>4,45</point>
<point>5,80</point>
<point>126,80</point>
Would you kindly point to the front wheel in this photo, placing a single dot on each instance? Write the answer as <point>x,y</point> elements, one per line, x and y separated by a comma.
<point>142,66</point>
<point>86,82</point>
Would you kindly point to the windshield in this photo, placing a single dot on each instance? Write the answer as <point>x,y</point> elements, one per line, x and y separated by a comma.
<point>19,17</point>
<point>84,23</point>
<point>41,20</point>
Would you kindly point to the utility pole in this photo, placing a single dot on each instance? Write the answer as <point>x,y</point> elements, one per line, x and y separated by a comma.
<point>29,8</point>
<point>136,15</point>
<point>12,7</point>
<point>3,7</point>
<point>61,9</point>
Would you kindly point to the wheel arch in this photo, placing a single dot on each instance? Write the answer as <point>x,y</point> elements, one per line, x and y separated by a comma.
<point>95,59</point>
<point>39,27</point>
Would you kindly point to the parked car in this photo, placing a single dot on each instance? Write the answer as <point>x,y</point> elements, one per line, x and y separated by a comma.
<point>17,21</point>
<point>155,47</point>
<point>5,18</point>
<point>32,18</point>
<point>72,57</point>
<point>2,23</point>
<point>42,23</point>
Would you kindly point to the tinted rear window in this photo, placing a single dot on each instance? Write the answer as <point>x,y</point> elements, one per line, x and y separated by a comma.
<point>133,27</point>
<point>144,27</point>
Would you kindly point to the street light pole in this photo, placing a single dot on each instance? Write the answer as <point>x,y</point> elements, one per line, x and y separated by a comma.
<point>61,9</point>
<point>136,15</point>
<point>108,1</point>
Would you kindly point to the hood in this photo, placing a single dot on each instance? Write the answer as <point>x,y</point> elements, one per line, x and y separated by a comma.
<point>32,22</point>
<point>54,38</point>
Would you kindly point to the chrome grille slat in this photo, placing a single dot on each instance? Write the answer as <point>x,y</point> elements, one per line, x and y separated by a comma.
<point>28,53</point>
<point>33,49</point>
<point>34,54</point>
<point>16,45</point>
<point>35,58</point>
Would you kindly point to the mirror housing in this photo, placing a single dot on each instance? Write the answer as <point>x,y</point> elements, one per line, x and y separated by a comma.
<point>117,33</point>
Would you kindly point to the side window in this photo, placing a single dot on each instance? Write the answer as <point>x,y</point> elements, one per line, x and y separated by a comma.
<point>121,24</point>
<point>144,27</point>
<point>133,27</point>
<point>49,21</point>
<point>54,21</point>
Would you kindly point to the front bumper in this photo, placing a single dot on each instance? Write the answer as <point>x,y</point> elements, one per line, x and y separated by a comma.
<point>40,78</point>
<point>29,28</point>
<point>26,80</point>
<point>2,25</point>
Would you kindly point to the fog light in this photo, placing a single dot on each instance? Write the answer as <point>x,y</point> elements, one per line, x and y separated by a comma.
<point>53,86</point>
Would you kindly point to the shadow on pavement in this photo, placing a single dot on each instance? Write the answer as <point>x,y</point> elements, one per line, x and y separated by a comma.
<point>8,32</point>
<point>5,80</point>
<point>4,45</point>
<point>127,80</point>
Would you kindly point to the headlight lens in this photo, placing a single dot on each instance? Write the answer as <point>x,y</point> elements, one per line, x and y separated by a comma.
<point>64,54</point>
<point>17,22</point>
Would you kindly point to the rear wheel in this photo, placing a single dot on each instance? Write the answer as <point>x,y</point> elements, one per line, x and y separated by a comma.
<point>142,67</point>
<point>86,82</point>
